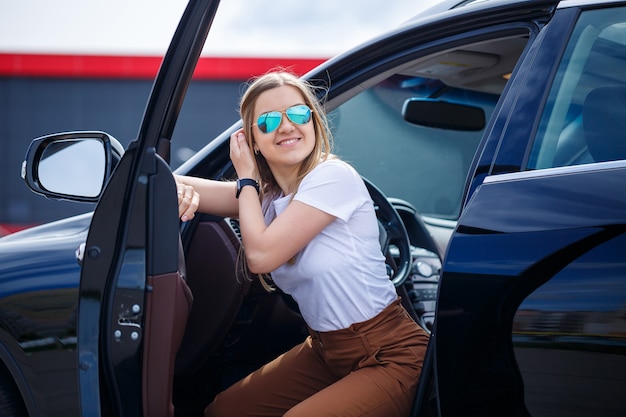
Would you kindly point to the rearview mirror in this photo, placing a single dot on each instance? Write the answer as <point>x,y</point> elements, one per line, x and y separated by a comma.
<point>443,115</point>
<point>73,166</point>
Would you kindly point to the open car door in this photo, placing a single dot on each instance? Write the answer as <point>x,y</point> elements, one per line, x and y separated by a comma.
<point>133,298</point>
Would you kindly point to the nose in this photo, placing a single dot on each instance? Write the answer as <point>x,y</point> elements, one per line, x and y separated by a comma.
<point>285,123</point>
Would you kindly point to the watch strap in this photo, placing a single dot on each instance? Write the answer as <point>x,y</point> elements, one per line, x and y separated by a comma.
<point>242,182</point>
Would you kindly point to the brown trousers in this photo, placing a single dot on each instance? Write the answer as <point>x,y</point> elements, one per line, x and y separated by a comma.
<point>369,369</point>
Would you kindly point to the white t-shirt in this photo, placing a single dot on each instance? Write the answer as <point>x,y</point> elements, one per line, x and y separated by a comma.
<point>340,277</point>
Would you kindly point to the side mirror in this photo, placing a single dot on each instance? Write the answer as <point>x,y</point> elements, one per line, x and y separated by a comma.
<point>71,166</point>
<point>443,115</point>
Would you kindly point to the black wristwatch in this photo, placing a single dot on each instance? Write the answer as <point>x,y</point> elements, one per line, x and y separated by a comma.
<point>242,182</point>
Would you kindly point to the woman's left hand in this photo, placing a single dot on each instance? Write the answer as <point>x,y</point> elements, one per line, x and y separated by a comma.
<point>188,199</point>
<point>241,155</point>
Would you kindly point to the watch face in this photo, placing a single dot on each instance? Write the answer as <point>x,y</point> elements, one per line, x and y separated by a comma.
<point>238,188</point>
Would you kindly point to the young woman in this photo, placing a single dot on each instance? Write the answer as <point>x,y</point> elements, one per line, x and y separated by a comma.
<point>306,217</point>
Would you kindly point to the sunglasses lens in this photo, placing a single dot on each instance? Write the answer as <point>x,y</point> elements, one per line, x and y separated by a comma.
<point>299,114</point>
<point>269,122</point>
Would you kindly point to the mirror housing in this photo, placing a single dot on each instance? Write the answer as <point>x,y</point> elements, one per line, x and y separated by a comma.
<point>71,166</point>
<point>443,115</point>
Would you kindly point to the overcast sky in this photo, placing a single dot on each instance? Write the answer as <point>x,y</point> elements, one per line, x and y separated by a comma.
<point>318,28</point>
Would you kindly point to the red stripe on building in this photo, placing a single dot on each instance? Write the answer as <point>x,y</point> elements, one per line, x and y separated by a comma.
<point>106,66</point>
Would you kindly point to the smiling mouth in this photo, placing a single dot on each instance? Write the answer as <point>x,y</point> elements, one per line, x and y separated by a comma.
<point>288,141</point>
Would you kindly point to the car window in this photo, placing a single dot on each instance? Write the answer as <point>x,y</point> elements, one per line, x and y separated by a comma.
<point>426,166</point>
<point>585,116</point>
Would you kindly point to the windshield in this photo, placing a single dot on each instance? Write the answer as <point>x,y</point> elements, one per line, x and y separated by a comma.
<point>425,166</point>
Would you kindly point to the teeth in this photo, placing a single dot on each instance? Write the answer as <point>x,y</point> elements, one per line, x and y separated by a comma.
<point>288,141</point>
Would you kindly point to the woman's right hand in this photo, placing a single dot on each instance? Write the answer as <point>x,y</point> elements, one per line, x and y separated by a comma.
<point>241,155</point>
<point>188,200</point>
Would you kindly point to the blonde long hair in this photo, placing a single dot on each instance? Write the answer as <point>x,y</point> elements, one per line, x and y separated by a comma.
<point>322,149</point>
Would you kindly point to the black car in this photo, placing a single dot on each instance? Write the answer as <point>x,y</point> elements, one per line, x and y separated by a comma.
<point>493,140</point>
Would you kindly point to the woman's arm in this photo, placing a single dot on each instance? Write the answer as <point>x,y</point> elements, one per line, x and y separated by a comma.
<point>205,196</point>
<point>268,247</point>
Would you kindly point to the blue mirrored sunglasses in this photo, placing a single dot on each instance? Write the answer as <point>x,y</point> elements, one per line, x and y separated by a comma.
<point>269,122</point>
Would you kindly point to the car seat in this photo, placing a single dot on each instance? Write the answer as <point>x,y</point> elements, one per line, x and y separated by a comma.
<point>604,123</point>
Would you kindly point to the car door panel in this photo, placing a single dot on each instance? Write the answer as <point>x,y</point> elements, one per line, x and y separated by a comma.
<point>517,233</point>
<point>132,253</point>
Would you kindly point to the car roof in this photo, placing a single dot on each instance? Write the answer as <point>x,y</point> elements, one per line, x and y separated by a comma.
<point>455,4</point>
<point>448,5</point>
<point>462,5</point>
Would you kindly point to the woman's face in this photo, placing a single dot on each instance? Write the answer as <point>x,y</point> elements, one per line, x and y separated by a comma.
<point>290,143</point>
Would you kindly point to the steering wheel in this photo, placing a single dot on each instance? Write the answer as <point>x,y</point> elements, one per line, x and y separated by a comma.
<point>394,240</point>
